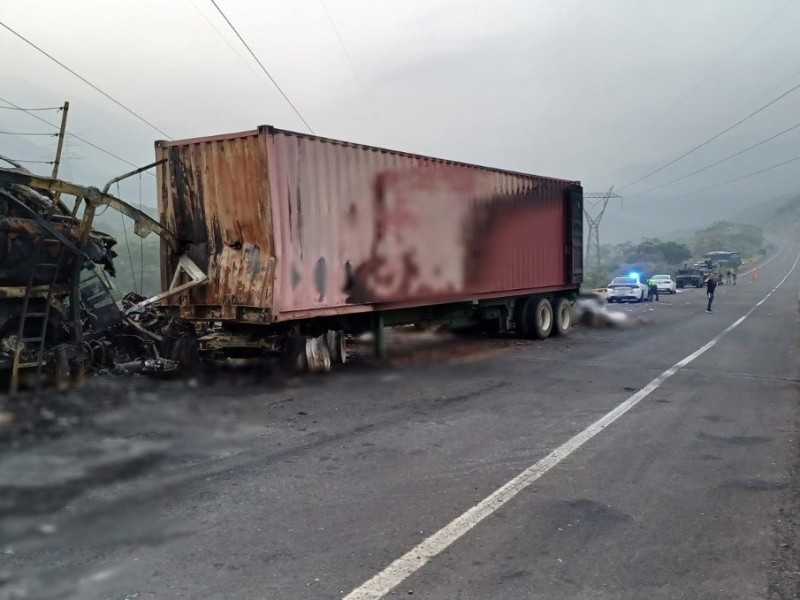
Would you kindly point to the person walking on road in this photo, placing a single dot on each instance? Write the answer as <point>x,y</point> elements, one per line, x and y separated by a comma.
<point>728,277</point>
<point>711,286</point>
<point>734,278</point>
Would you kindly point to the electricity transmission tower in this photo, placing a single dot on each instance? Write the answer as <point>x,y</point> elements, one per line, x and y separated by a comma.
<point>593,241</point>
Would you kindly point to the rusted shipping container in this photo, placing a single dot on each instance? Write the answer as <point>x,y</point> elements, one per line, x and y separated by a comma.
<point>290,226</point>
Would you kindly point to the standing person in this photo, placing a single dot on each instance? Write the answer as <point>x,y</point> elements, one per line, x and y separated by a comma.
<point>652,289</point>
<point>734,278</point>
<point>711,286</point>
<point>728,277</point>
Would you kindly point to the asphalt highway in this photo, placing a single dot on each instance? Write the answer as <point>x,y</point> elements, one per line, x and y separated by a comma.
<point>654,461</point>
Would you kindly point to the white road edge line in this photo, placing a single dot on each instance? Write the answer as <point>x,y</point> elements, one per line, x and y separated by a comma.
<point>769,260</point>
<point>393,575</point>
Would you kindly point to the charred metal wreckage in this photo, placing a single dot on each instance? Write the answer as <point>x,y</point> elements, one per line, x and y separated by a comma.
<point>58,319</point>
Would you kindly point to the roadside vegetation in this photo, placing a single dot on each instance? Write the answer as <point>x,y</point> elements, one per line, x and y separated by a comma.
<point>654,256</point>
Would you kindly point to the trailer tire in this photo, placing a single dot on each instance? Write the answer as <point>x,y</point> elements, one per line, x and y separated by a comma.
<point>294,354</point>
<point>563,316</point>
<point>540,318</point>
<point>521,316</point>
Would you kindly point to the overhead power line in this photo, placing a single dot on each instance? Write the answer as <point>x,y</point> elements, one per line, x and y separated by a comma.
<point>724,183</point>
<point>714,137</point>
<point>32,162</point>
<point>243,60</point>
<point>719,162</point>
<point>86,81</point>
<point>707,76</point>
<point>766,93</point>
<point>263,68</point>
<point>350,61</point>
<point>77,137</point>
<point>26,132</point>
<point>32,109</point>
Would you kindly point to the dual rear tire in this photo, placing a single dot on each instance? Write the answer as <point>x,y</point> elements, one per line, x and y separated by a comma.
<point>537,318</point>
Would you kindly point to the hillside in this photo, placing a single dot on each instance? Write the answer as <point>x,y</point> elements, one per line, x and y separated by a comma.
<point>137,262</point>
<point>786,217</point>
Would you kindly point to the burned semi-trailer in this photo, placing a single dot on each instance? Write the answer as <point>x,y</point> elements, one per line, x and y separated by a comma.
<point>303,238</point>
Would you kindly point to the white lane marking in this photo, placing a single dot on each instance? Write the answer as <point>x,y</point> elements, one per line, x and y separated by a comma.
<point>773,257</point>
<point>393,575</point>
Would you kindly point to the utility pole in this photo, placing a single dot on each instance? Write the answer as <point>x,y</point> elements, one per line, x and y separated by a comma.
<point>593,240</point>
<point>60,147</point>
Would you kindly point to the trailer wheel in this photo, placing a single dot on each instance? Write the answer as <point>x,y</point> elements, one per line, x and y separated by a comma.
<point>563,314</point>
<point>540,316</point>
<point>521,317</point>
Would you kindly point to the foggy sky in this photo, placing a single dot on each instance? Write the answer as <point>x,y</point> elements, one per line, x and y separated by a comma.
<point>600,92</point>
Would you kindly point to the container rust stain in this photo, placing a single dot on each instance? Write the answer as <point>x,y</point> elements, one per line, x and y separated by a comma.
<point>214,195</point>
<point>291,226</point>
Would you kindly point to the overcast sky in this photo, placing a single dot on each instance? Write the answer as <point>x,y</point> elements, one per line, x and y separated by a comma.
<point>598,91</point>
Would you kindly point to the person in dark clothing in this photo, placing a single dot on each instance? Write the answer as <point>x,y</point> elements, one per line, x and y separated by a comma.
<point>711,286</point>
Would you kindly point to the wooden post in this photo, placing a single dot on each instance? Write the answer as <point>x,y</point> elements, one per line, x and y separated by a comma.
<point>60,147</point>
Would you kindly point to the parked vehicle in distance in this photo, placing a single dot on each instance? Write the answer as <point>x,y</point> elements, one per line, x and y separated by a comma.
<point>665,284</point>
<point>726,260</point>
<point>709,267</point>
<point>627,288</point>
<point>689,278</point>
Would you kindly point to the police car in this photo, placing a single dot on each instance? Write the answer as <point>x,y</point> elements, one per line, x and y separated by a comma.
<point>627,288</point>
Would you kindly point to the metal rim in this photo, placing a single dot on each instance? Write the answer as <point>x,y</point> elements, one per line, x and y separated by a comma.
<point>564,316</point>
<point>545,317</point>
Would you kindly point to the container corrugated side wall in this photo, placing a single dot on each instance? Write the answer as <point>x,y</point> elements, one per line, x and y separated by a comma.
<point>289,226</point>
<point>360,226</point>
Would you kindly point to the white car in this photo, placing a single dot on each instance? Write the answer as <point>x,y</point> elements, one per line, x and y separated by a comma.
<point>627,288</point>
<point>665,284</point>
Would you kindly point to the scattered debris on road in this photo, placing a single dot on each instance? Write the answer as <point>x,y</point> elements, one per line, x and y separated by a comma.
<point>592,312</point>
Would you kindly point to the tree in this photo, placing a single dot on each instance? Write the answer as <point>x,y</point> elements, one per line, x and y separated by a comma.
<point>748,240</point>
<point>657,252</point>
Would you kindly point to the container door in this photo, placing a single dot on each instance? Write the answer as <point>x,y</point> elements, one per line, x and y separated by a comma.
<point>574,258</point>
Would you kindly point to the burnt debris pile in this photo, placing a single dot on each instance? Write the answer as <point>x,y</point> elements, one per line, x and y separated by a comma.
<point>58,318</point>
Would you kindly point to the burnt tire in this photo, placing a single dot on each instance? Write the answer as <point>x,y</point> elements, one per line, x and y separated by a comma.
<point>540,318</point>
<point>563,317</point>
<point>521,317</point>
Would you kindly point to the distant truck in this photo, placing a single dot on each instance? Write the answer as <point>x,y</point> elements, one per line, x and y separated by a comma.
<point>708,267</point>
<point>726,260</point>
<point>689,278</point>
